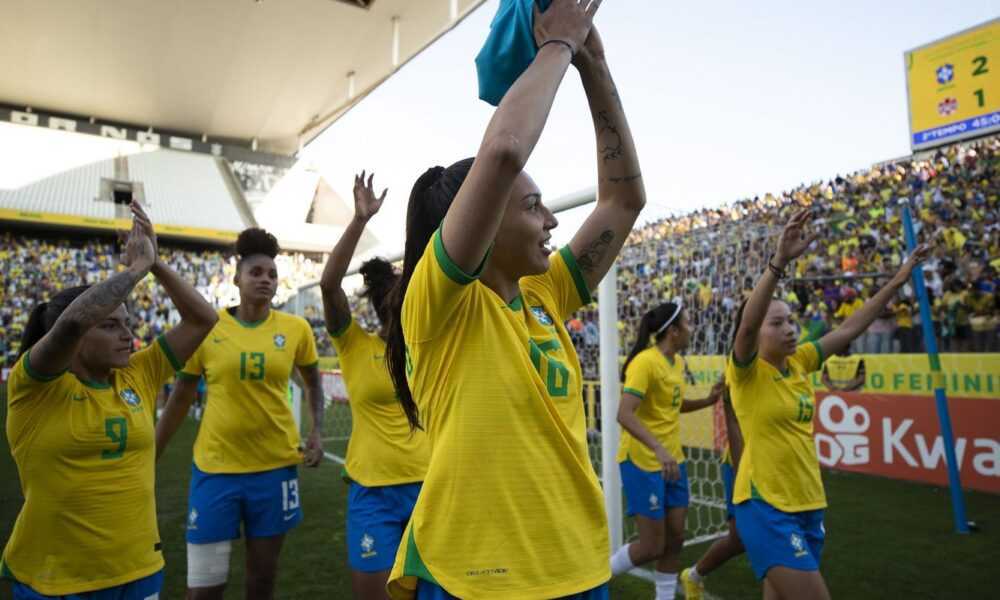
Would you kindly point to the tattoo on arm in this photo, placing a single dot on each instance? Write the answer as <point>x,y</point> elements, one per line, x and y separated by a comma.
<point>593,254</point>
<point>98,302</point>
<point>609,140</point>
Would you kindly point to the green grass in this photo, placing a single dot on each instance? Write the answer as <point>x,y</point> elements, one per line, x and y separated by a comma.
<point>885,539</point>
<point>889,539</point>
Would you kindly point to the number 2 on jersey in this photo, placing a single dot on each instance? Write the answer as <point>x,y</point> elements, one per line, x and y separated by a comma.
<point>115,428</point>
<point>251,366</point>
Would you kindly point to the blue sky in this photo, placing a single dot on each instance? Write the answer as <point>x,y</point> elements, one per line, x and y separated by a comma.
<point>726,100</point>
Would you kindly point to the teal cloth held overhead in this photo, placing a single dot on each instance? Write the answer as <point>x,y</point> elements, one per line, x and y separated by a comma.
<point>510,48</point>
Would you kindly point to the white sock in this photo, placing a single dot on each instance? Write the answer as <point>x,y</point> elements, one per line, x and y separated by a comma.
<point>695,575</point>
<point>666,585</point>
<point>621,562</point>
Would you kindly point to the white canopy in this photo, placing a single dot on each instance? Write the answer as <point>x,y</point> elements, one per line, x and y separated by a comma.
<point>275,71</point>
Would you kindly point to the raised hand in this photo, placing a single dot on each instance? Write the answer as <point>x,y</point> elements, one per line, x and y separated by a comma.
<point>366,203</point>
<point>795,238</point>
<point>919,255</point>
<point>569,21</point>
<point>140,251</point>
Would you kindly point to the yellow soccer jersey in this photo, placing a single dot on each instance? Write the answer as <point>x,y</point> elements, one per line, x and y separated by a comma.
<point>248,424</point>
<point>775,411</point>
<point>660,383</point>
<point>511,506</point>
<point>843,369</point>
<point>382,449</point>
<point>86,455</point>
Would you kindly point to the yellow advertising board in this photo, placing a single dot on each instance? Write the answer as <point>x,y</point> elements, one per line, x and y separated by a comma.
<point>972,375</point>
<point>45,218</point>
<point>953,87</point>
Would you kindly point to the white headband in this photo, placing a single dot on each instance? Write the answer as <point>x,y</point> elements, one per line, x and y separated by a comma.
<point>677,311</point>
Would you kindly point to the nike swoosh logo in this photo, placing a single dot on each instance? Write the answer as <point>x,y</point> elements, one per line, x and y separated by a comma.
<point>289,517</point>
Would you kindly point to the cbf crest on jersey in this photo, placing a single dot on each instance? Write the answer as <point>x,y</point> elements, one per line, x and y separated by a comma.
<point>279,341</point>
<point>131,399</point>
<point>541,316</point>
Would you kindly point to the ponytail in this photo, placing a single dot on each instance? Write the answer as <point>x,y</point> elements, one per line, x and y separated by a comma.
<point>44,315</point>
<point>379,278</point>
<point>736,324</point>
<point>430,200</point>
<point>655,323</point>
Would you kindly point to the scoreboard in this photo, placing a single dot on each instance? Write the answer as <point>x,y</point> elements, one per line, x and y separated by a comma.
<point>953,87</point>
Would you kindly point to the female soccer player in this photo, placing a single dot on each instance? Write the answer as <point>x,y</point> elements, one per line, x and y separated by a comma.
<point>80,426</point>
<point>511,506</point>
<point>778,492</point>
<point>248,446</point>
<point>385,460</point>
<point>650,456</point>
<point>730,546</point>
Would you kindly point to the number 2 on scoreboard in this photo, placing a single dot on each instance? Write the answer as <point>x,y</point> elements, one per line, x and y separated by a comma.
<point>981,69</point>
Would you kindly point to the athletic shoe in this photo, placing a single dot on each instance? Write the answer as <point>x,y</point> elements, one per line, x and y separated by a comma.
<point>693,590</point>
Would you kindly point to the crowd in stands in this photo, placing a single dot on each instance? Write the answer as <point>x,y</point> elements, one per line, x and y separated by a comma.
<point>35,267</point>
<point>707,259</point>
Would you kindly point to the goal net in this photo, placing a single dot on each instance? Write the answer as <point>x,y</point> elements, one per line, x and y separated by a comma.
<point>706,262</point>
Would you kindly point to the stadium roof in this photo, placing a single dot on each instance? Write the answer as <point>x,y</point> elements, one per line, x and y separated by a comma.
<point>275,71</point>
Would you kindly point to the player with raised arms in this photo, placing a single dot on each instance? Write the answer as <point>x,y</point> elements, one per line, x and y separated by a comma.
<point>80,414</point>
<point>778,493</point>
<point>386,461</point>
<point>511,506</point>
<point>245,456</point>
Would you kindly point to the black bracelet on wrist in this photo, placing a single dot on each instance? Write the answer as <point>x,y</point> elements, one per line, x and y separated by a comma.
<point>779,273</point>
<point>572,50</point>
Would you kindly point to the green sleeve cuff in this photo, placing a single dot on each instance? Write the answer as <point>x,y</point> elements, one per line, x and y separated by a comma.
<point>343,329</point>
<point>187,376</point>
<point>176,364</point>
<point>819,352</point>
<point>743,365</point>
<point>35,374</point>
<point>453,271</point>
<point>635,392</point>
<point>574,270</point>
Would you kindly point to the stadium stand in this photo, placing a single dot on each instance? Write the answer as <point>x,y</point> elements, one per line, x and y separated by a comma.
<point>178,188</point>
<point>702,257</point>
<point>708,257</point>
<point>36,266</point>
